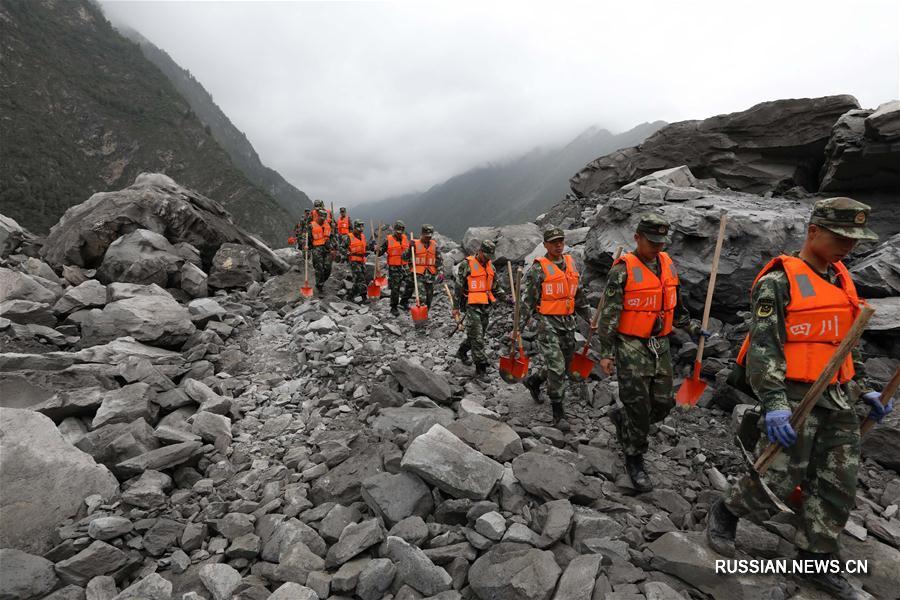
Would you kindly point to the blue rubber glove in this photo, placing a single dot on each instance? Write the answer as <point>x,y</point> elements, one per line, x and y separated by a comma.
<point>706,334</point>
<point>778,427</point>
<point>878,411</point>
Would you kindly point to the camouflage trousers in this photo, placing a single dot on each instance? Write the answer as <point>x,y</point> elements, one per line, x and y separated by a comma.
<point>476,326</point>
<point>321,260</point>
<point>358,273</point>
<point>426,288</point>
<point>824,461</point>
<point>645,389</point>
<point>556,344</point>
<point>400,277</point>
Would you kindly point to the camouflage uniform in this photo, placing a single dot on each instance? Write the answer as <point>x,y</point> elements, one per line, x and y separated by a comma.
<point>357,269</point>
<point>427,279</point>
<point>825,458</point>
<point>476,315</point>
<point>555,333</point>
<point>321,258</point>
<point>399,276</point>
<point>643,366</point>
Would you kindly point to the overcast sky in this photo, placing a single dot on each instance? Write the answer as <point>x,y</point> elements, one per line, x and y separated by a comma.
<point>353,102</point>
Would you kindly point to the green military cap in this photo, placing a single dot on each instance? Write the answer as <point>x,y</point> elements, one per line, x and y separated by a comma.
<point>655,228</point>
<point>318,204</point>
<point>554,233</point>
<point>488,247</point>
<point>843,216</point>
<point>426,228</point>
<point>358,224</point>
<point>399,224</point>
<point>343,209</point>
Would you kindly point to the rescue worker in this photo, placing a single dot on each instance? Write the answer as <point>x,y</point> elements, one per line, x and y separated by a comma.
<point>321,245</point>
<point>356,258</point>
<point>429,263</point>
<point>396,246</point>
<point>343,229</point>
<point>802,306</point>
<point>643,304</point>
<point>477,289</point>
<point>318,204</point>
<point>553,294</point>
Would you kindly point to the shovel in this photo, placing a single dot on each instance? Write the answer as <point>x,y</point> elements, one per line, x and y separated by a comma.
<point>692,388</point>
<point>514,368</point>
<point>459,320</point>
<point>306,290</point>
<point>886,394</point>
<point>419,312</point>
<point>581,366</point>
<point>380,279</point>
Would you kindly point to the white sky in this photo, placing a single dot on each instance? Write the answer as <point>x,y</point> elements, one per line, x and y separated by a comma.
<point>354,101</point>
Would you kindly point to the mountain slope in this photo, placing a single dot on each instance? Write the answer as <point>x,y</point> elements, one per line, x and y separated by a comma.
<point>232,140</point>
<point>82,110</point>
<point>509,192</point>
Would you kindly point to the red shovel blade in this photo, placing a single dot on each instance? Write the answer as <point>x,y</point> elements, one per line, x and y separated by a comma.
<point>691,389</point>
<point>581,366</point>
<point>381,280</point>
<point>419,312</point>
<point>513,368</point>
<point>307,291</point>
<point>795,500</point>
<point>373,291</point>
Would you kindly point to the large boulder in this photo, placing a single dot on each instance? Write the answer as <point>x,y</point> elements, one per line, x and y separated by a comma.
<point>155,202</point>
<point>514,572</point>
<point>15,285</point>
<point>43,480</point>
<point>772,146</point>
<point>513,242</point>
<point>12,235</point>
<point>877,274</point>
<point>234,266</point>
<point>155,320</point>
<point>142,257</point>
<point>758,229</point>
<point>863,153</point>
<point>419,380</point>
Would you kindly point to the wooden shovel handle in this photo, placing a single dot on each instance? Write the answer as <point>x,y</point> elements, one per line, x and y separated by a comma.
<point>412,249</point>
<point>798,416</point>
<point>886,394</point>
<point>710,289</point>
<point>600,304</point>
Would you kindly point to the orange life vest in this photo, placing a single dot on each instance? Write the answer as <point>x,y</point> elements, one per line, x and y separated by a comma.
<point>558,288</point>
<point>357,250</point>
<point>426,258</point>
<point>648,297</point>
<point>343,225</point>
<point>480,282</point>
<point>320,233</point>
<point>817,319</point>
<point>395,251</point>
<point>312,216</point>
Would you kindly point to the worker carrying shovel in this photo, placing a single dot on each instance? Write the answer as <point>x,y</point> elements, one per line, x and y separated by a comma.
<point>553,294</point>
<point>803,307</point>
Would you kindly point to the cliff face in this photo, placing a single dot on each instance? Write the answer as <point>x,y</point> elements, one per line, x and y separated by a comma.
<point>82,111</point>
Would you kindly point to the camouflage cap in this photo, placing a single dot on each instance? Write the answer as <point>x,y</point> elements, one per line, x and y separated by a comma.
<point>554,233</point>
<point>399,225</point>
<point>426,228</point>
<point>843,216</point>
<point>343,209</point>
<point>359,224</point>
<point>655,228</point>
<point>488,247</point>
<point>318,204</point>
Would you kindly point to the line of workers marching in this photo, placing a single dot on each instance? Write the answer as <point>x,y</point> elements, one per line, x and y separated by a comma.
<point>795,300</point>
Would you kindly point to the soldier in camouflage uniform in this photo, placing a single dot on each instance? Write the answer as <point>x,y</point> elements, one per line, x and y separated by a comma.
<point>642,359</point>
<point>322,253</point>
<point>355,256</point>
<point>427,274</point>
<point>556,332</point>
<point>399,274</point>
<point>823,455</point>
<point>476,300</point>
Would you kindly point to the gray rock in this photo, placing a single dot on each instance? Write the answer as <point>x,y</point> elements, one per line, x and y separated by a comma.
<point>419,380</point>
<point>234,266</point>
<point>211,427</point>
<point>194,281</point>
<point>552,478</point>
<point>12,235</point>
<point>97,559</point>
<point>25,575</point>
<point>491,525</point>
<point>153,319</point>
<point>159,459</point>
<point>513,242</point>
<point>415,569</point>
<point>442,459</point>
<point>125,291</point>
<point>657,590</point>
<point>149,491</point>
<point>514,572</point>
<point>44,480</point>
<point>342,483</point>
<point>25,312</point>
<point>412,529</point>
<point>124,405</point>
<point>70,592</point>
<point>107,528</point>
<point>375,579</point>
<point>554,519</point>
<point>151,587</point>
<point>203,395</point>
<point>102,587</point>
<point>411,418</point>
<point>204,310</point>
<point>141,257</point>
<point>162,536</point>
<point>112,444</point>
<point>15,285</point>
<point>883,578</point>
<point>356,538</point>
<point>234,525</point>
<point>577,581</point>
<point>492,438</point>
<point>396,497</point>
<point>293,591</point>
<point>220,580</point>
<point>346,578</point>
<point>862,154</point>
<point>882,445</point>
<point>296,562</point>
<point>71,402</point>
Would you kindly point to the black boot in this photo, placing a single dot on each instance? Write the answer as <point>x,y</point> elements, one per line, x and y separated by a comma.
<point>463,355</point>
<point>481,370</point>
<point>615,415</point>
<point>533,383</point>
<point>559,416</point>
<point>395,311</point>
<point>635,467</point>
<point>833,583</point>
<point>721,528</point>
